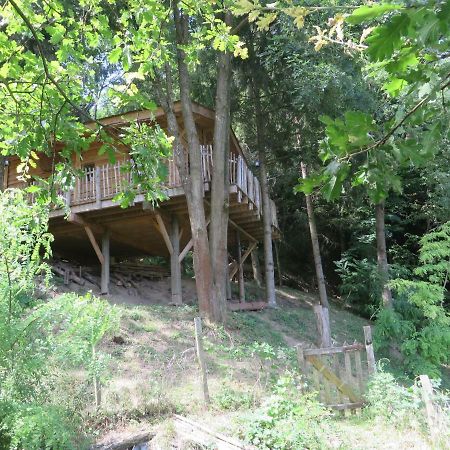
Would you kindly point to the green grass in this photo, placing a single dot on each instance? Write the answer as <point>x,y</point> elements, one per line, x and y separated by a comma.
<point>154,372</point>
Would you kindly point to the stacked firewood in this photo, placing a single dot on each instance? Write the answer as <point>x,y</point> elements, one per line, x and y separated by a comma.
<point>126,274</point>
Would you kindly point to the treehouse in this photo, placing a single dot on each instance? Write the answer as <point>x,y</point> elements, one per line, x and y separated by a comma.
<point>98,229</point>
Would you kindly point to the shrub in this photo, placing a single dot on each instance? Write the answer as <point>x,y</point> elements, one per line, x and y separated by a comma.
<point>39,427</point>
<point>232,400</point>
<point>289,420</point>
<point>389,400</point>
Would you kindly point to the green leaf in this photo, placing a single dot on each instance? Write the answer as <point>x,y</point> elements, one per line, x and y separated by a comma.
<point>115,55</point>
<point>369,12</point>
<point>385,39</point>
<point>395,86</point>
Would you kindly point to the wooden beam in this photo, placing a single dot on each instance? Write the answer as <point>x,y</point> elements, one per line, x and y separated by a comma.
<point>332,350</point>
<point>189,245</point>
<point>97,250</point>
<point>185,250</point>
<point>241,230</point>
<point>100,229</point>
<point>163,230</point>
<point>244,257</point>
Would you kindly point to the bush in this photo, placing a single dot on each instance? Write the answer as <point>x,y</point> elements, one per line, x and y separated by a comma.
<point>232,400</point>
<point>38,427</point>
<point>360,283</point>
<point>289,420</point>
<point>390,401</point>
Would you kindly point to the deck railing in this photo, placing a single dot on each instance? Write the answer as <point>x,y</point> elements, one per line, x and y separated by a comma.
<point>103,182</point>
<point>107,180</point>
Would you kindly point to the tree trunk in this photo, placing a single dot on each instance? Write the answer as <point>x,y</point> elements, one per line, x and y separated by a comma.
<point>256,268</point>
<point>195,191</point>
<point>220,186</point>
<point>383,267</point>
<point>323,316</point>
<point>2,173</point>
<point>210,252</point>
<point>277,257</point>
<point>315,246</point>
<point>267,215</point>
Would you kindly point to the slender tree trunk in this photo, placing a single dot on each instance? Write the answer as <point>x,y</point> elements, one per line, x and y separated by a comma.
<point>267,215</point>
<point>220,186</point>
<point>277,257</point>
<point>322,314</point>
<point>383,267</point>
<point>267,225</point>
<point>194,195</point>
<point>256,268</point>
<point>2,173</point>
<point>315,246</point>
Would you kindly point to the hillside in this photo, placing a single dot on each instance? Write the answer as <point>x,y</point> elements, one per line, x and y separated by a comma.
<point>153,371</point>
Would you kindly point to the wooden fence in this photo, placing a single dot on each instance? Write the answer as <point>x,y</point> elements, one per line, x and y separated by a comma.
<point>338,374</point>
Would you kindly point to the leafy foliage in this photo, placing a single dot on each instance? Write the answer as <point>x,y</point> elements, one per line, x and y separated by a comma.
<point>37,337</point>
<point>406,54</point>
<point>288,420</point>
<point>420,321</point>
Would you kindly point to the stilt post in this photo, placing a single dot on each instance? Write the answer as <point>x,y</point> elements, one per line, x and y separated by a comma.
<point>240,268</point>
<point>175,266</point>
<point>106,263</point>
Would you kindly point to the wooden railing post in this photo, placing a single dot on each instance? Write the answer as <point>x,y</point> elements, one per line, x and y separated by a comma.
<point>369,350</point>
<point>67,196</point>
<point>98,193</point>
<point>301,360</point>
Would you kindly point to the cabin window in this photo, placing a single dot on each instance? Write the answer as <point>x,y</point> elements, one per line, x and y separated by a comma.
<point>89,170</point>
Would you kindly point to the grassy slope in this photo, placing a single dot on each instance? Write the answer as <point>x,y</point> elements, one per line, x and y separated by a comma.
<point>154,371</point>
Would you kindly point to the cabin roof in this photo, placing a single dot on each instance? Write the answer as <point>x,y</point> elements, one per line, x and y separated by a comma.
<point>202,113</point>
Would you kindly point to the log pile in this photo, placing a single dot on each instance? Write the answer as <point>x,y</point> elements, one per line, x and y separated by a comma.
<point>127,275</point>
<point>140,271</point>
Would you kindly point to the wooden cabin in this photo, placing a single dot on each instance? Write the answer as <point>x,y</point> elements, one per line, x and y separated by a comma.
<point>99,229</point>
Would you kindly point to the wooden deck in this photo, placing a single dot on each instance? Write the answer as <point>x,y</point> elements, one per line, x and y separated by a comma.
<point>100,184</point>
<point>135,230</point>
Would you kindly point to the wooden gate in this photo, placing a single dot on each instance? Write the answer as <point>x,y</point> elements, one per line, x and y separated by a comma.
<point>339,374</point>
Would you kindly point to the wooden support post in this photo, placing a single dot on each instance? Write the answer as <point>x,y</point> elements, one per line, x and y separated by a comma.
<point>372,368</point>
<point>301,360</point>
<point>201,358</point>
<point>98,193</point>
<point>228,282</point>
<point>97,384</point>
<point>106,263</point>
<point>240,268</point>
<point>175,265</point>
<point>427,396</point>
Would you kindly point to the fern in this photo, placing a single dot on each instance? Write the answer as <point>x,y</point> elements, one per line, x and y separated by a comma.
<point>420,322</point>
